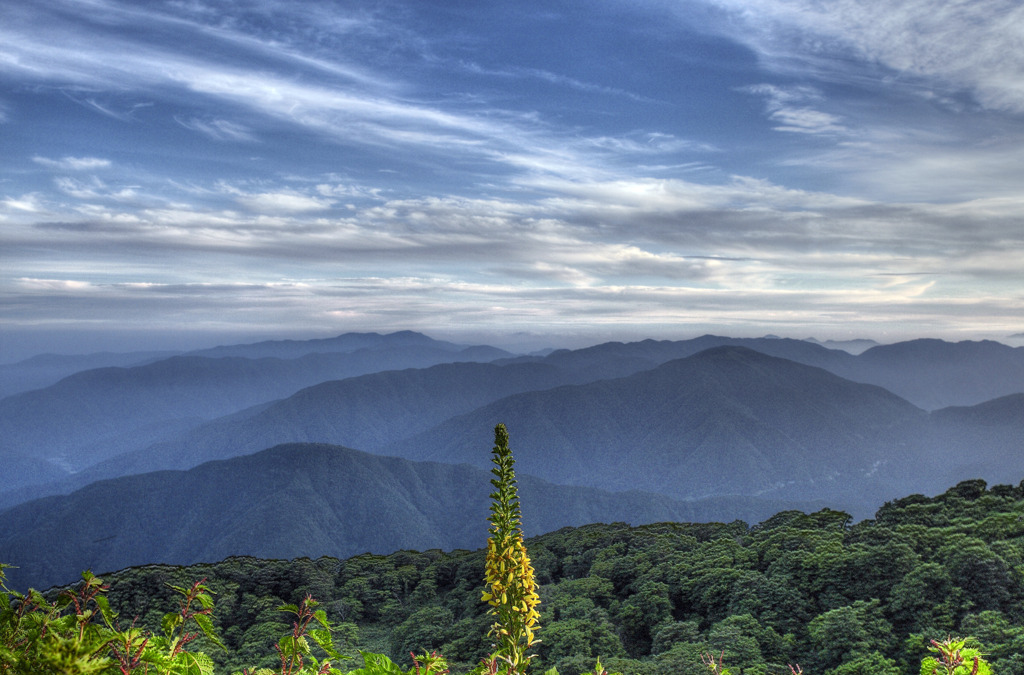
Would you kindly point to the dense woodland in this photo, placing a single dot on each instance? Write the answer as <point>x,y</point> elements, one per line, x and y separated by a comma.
<point>815,590</point>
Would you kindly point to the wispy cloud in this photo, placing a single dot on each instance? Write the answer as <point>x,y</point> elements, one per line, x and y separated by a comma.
<point>783,106</point>
<point>282,202</point>
<point>94,190</point>
<point>30,203</point>
<point>555,79</point>
<point>104,104</point>
<point>348,111</point>
<point>366,170</point>
<point>952,45</point>
<point>73,163</point>
<point>218,129</point>
<point>592,234</point>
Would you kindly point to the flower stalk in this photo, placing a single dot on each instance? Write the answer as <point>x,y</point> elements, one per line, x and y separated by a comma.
<point>511,588</point>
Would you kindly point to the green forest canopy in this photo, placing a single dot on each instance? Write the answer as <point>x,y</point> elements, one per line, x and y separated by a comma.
<point>815,589</point>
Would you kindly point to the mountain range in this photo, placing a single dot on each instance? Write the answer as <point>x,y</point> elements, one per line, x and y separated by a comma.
<point>303,500</point>
<point>730,420</point>
<point>709,428</point>
<point>96,414</point>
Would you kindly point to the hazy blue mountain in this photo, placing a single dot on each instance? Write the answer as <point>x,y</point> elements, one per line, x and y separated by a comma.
<point>856,346</point>
<point>97,414</point>
<point>935,374</point>
<point>306,500</point>
<point>985,440</point>
<point>178,412</point>
<point>367,412</point>
<point>46,369</point>
<point>931,374</point>
<point>346,344</point>
<point>727,420</point>
<point>618,359</point>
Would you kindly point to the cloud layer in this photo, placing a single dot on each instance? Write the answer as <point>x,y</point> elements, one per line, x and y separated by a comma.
<point>661,167</point>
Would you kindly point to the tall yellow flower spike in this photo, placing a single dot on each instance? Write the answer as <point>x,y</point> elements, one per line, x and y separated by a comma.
<point>511,589</point>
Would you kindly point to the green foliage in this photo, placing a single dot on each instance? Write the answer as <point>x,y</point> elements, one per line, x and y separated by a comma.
<point>953,656</point>
<point>867,663</point>
<point>77,634</point>
<point>294,650</point>
<point>839,598</point>
<point>379,664</point>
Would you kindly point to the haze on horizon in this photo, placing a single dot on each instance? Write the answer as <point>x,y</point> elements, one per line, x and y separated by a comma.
<point>209,172</point>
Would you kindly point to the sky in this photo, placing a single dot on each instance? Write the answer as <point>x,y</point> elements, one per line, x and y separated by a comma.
<point>201,171</point>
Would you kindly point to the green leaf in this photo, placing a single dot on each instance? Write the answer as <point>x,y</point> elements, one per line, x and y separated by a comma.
<point>291,645</point>
<point>104,604</point>
<point>377,664</point>
<point>178,589</point>
<point>323,638</point>
<point>170,622</point>
<point>206,625</point>
<point>192,663</point>
<point>205,600</point>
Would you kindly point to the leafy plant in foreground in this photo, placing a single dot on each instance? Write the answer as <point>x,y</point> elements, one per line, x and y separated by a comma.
<point>38,636</point>
<point>293,649</point>
<point>63,637</point>
<point>954,657</point>
<point>512,590</point>
<point>714,666</point>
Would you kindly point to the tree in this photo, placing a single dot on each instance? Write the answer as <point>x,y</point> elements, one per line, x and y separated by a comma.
<point>846,633</point>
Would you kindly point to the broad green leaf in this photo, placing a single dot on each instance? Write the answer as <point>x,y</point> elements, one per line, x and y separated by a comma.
<point>205,600</point>
<point>170,622</point>
<point>323,638</point>
<point>206,625</point>
<point>104,604</point>
<point>377,664</point>
<point>192,663</point>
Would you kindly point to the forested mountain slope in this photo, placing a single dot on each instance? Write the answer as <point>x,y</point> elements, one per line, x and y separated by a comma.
<point>302,500</point>
<point>809,589</point>
<point>726,421</point>
<point>744,423</point>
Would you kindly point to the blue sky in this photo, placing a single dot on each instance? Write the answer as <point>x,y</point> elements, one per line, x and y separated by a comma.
<point>613,169</point>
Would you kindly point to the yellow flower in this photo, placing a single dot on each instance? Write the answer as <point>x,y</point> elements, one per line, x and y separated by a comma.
<point>513,589</point>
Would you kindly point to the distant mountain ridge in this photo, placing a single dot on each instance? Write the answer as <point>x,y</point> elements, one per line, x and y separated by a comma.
<point>43,370</point>
<point>96,414</point>
<point>178,412</point>
<point>726,420</point>
<point>929,373</point>
<point>345,343</point>
<point>305,500</point>
<point>937,374</point>
<point>855,346</point>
